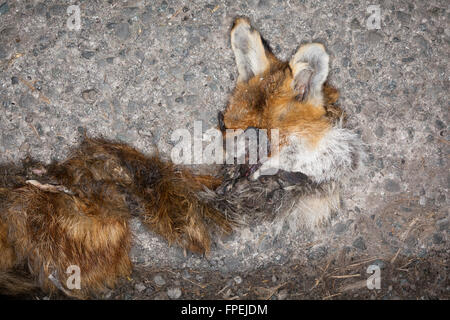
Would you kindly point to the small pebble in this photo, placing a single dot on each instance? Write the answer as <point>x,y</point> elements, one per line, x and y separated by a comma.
<point>174,293</point>
<point>238,280</point>
<point>422,201</point>
<point>359,243</point>
<point>140,287</point>
<point>282,295</point>
<point>159,280</point>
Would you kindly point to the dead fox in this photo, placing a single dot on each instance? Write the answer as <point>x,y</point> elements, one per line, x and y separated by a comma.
<point>76,212</point>
<point>315,151</point>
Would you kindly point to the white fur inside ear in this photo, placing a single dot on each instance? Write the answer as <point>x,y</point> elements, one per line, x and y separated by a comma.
<point>313,58</point>
<point>249,51</point>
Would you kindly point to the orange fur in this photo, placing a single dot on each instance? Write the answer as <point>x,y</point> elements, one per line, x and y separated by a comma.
<point>269,102</point>
<point>7,257</point>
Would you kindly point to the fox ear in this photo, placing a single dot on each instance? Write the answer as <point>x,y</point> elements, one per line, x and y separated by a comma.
<point>310,70</point>
<point>248,50</point>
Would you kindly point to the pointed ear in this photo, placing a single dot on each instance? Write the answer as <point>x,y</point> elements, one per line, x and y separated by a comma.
<point>248,50</point>
<point>310,70</point>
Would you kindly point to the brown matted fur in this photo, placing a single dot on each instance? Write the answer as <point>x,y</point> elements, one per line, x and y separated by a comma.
<point>51,231</point>
<point>166,194</point>
<point>80,215</point>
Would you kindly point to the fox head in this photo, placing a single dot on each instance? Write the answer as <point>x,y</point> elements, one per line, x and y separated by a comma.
<point>271,93</point>
<point>294,98</point>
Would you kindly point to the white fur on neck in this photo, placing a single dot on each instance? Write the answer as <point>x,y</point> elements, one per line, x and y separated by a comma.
<point>333,156</point>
